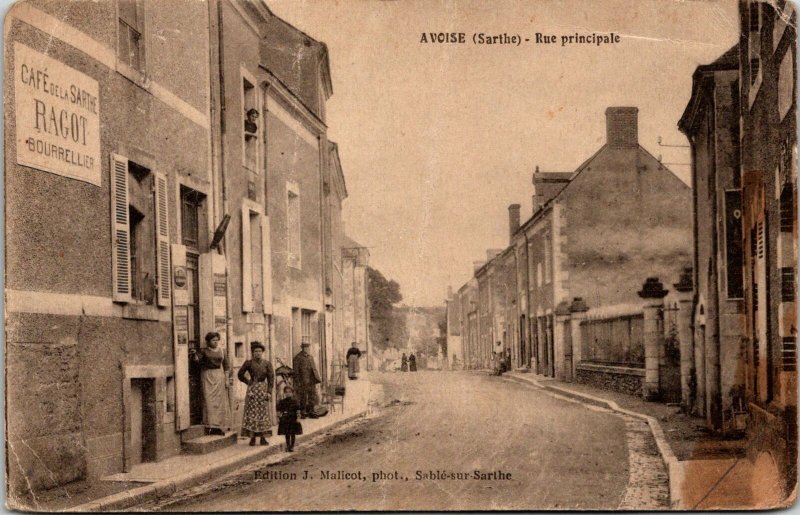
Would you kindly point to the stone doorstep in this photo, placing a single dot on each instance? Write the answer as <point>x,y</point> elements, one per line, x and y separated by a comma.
<point>208,443</point>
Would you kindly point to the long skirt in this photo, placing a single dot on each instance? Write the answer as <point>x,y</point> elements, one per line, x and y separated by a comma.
<point>352,367</point>
<point>256,408</point>
<point>215,397</point>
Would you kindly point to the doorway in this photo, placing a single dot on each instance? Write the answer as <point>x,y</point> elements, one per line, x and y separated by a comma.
<point>193,313</point>
<point>143,421</point>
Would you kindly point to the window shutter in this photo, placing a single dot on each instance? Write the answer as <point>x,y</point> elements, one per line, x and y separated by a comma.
<point>247,286</point>
<point>162,240</point>
<point>120,230</point>
<point>266,267</point>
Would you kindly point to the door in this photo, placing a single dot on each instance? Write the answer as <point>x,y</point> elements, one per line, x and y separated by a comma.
<point>194,339</point>
<point>143,421</point>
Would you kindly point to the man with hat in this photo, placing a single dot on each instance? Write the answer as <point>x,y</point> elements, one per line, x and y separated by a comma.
<point>306,379</point>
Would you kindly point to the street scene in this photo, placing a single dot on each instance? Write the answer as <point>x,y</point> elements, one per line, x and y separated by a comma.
<point>433,434</point>
<point>268,255</point>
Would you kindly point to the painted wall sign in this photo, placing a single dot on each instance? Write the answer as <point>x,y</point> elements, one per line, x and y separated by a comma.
<point>57,117</point>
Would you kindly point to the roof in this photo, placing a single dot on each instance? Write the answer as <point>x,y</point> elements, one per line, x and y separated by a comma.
<point>728,61</point>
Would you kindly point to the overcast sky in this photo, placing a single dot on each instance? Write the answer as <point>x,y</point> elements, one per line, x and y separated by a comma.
<point>437,140</point>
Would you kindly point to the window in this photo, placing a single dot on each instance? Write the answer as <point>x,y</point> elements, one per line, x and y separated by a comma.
<point>306,318</point>
<point>140,234</point>
<point>734,253</point>
<point>256,269</point>
<point>293,225</point>
<point>547,259</point>
<point>787,209</point>
<point>251,122</point>
<point>130,37</point>
<point>193,218</point>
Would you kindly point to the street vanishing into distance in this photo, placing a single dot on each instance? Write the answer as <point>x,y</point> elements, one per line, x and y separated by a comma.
<point>453,441</point>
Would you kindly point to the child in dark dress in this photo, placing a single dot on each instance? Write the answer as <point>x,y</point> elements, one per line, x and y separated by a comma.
<point>288,424</point>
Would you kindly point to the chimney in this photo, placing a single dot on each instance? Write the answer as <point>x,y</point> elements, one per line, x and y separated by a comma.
<point>622,127</point>
<point>536,198</point>
<point>513,220</point>
<point>449,292</point>
<point>476,265</point>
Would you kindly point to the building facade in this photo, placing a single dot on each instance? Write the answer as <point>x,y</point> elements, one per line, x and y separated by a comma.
<point>768,132</point>
<point>215,207</point>
<point>711,124</point>
<point>98,113</point>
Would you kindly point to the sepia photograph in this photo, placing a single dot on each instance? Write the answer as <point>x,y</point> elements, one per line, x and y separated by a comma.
<point>400,255</point>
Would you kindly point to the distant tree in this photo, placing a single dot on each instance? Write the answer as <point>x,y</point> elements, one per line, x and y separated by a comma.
<point>385,327</point>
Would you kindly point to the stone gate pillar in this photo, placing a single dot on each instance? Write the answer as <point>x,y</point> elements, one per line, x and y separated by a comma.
<point>653,292</point>
<point>578,309</point>
<point>685,289</point>
<point>563,342</point>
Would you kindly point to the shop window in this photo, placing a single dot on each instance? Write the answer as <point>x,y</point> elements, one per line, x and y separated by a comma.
<point>130,36</point>
<point>140,236</point>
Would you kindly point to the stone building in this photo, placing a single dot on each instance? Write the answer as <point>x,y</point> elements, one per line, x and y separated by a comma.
<point>717,355</point>
<point>210,207</point>
<point>768,158</point>
<point>103,140</point>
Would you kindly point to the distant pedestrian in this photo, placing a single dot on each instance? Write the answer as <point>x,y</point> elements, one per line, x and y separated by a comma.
<point>404,363</point>
<point>257,374</point>
<point>214,365</point>
<point>288,424</point>
<point>306,379</point>
<point>353,355</point>
<point>412,363</point>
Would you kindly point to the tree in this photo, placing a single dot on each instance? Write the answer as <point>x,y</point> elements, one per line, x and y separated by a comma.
<point>386,329</point>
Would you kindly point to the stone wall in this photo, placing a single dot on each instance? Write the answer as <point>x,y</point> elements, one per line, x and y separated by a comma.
<point>618,379</point>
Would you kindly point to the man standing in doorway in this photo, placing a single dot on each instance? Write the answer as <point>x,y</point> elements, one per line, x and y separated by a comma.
<point>306,379</point>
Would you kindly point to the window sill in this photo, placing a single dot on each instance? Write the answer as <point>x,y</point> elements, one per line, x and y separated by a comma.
<point>134,311</point>
<point>133,75</point>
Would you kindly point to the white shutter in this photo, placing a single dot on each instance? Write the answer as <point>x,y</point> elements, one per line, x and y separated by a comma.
<point>120,230</point>
<point>247,286</point>
<point>266,266</point>
<point>163,273</point>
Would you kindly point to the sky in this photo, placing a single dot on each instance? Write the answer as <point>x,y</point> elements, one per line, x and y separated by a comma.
<point>436,140</point>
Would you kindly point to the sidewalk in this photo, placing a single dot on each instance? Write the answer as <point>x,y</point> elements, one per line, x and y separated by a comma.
<point>705,470</point>
<point>151,481</point>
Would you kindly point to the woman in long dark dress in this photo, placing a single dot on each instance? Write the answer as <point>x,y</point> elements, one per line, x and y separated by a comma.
<point>214,365</point>
<point>288,424</point>
<point>404,363</point>
<point>412,363</point>
<point>257,374</point>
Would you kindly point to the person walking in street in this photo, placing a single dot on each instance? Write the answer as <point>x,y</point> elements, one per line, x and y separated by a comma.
<point>214,366</point>
<point>288,424</point>
<point>306,379</point>
<point>353,355</point>
<point>257,374</point>
<point>404,363</point>
<point>412,363</point>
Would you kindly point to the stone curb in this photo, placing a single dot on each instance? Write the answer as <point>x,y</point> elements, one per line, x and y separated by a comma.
<point>163,489</point>
<point>674,469</point>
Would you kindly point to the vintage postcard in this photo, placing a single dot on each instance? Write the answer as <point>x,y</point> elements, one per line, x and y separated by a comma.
<point>416,255</point>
